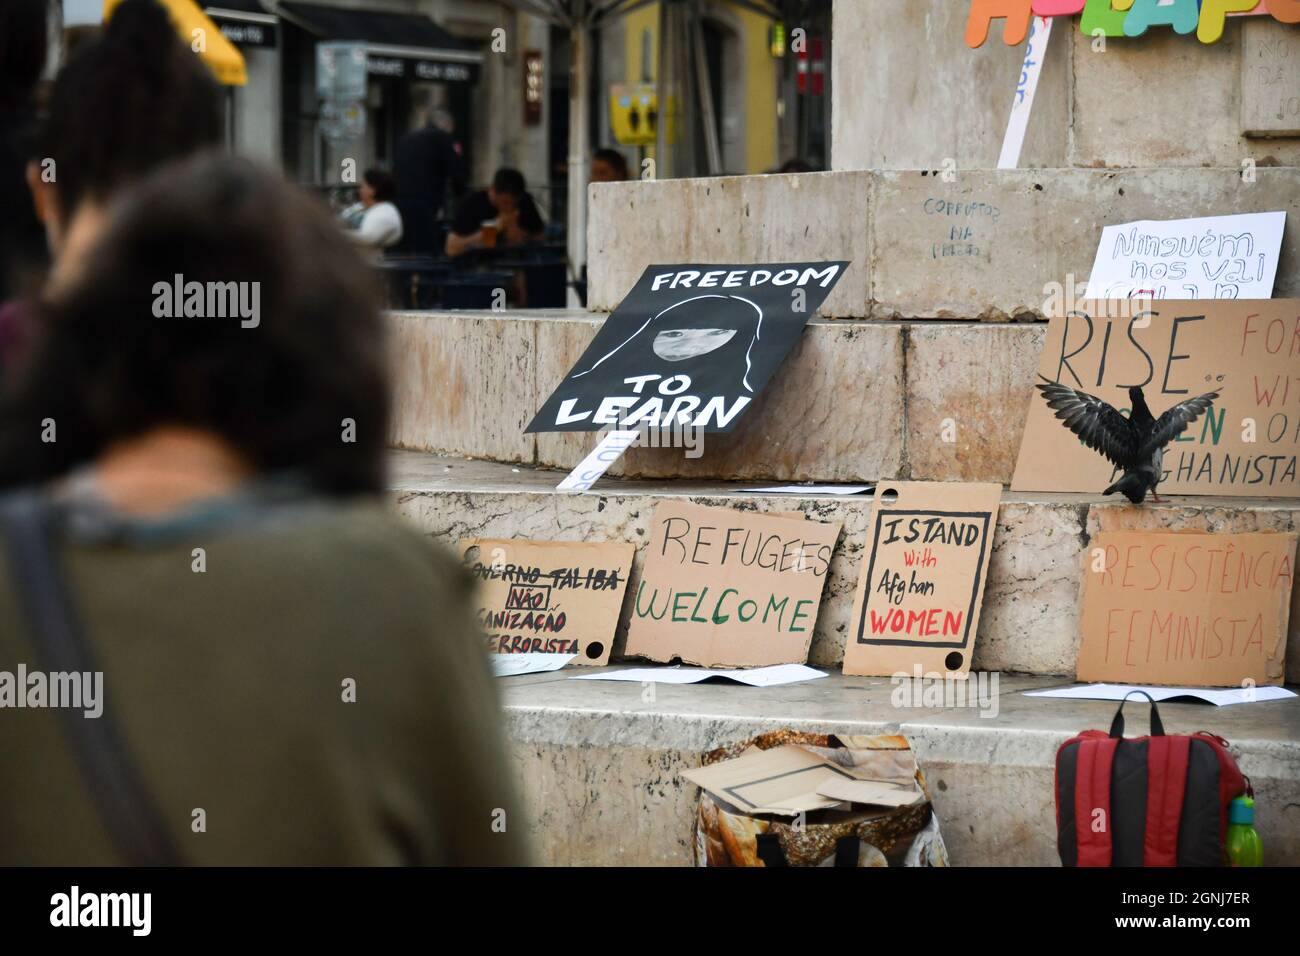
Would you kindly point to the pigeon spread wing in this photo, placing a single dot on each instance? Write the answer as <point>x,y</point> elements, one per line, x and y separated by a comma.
<point>1175,421</point>
<point>1101,426</point>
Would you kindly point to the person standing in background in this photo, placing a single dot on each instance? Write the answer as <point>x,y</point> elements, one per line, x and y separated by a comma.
<point>428,166</point>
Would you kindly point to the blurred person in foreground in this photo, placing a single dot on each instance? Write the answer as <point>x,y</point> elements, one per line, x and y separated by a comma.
<point>23,26</point>
<point>504,214</point>
<point>131,98</point>
<point>317,685</point>
<point>23,256</point>
<point>373,220</point>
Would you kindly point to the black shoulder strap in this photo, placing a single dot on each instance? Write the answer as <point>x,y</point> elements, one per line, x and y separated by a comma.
<point>1117,725</point>
<point>116,788</point>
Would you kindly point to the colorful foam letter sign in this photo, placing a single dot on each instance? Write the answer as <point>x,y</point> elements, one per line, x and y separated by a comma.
<point>1017,14</point>
<point>1285,11</point>
<point>1181,15</point>
<point>1057,8</point>
<point>1106,16</point>
<point>1214,13</point>
<point>1118,18</point>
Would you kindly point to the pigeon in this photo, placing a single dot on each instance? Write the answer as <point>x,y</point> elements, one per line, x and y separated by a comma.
<point>1135,444</point>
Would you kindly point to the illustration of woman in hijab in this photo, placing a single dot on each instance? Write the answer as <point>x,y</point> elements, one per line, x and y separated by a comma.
<point>722,329</point>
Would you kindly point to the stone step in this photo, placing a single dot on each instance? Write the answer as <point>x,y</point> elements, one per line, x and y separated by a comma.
<point>1031,598</point>
<point>923,243</point>
<point>599,764</point>
<point>855,400</point>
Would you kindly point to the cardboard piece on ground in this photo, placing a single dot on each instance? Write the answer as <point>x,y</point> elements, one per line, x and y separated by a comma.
<point>773,676</point>
<point>1211,257</point>
<point>786,780</point>
<point>1219,698</point>
<point>728,588</point>
<point>1185,608</point>
<point>922,579</point>
<point>549,597</point>
<point>690,346</point>
<point>876,793</point>
<point>1247,351</point>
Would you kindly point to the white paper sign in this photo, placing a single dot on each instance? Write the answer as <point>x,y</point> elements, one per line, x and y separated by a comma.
<point>512,665</point>
<point>1213,257</point>
<point>609,450</point>
<point>815,489</point>
<point>754,676</point>
<point>1040,32</point>
<point>1220,697</point>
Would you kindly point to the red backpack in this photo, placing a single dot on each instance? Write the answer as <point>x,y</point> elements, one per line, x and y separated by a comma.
<point>1144,801</point>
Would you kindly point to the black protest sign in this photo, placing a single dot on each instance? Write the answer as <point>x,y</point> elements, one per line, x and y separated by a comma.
<point>690,346</point>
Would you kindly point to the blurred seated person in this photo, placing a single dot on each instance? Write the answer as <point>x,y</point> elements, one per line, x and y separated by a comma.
<point>608,166</point>
<point>797,165</point>
<point>373,221</point>
<point>504,214</point>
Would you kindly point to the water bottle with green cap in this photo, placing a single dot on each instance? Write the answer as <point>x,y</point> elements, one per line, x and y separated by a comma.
<point>1244,846</point>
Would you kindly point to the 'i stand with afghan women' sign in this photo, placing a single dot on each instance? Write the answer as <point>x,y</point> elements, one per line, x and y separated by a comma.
<point>690,347</point>
<point>922,582</point>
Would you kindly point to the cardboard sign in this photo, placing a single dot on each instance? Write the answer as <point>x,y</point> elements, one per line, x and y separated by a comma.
<point>690,346</point>
<point>1247,351</point>
<point>728,588</point>
<point>790,780</point>
<point>549,597</point>
<point>1212,257</point>
<point>1185,608</point>
<point>922,581</point>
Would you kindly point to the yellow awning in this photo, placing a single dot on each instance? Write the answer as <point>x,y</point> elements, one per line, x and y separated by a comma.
<point>204,37</point>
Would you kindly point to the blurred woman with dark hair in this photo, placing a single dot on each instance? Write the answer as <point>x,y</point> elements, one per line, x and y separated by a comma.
<point>201,422</point>
<point>23,258</point>
<point>128,101</point>
<point>131,98</point>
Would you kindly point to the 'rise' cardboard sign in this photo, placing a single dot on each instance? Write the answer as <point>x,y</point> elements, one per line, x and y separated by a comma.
<point>1247,350</point>
<point>922,579</point>
<point>728,588</point>
<point>1186,609</point>
<point>549,597</point>
<point>690,347</point>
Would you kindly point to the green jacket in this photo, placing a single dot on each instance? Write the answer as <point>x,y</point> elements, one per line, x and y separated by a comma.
<point>228,684</point>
